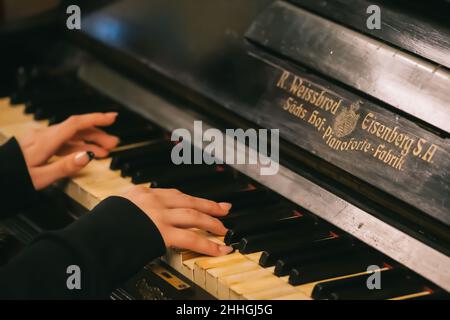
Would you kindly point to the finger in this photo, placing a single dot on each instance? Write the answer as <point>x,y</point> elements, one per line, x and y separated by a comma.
<point>65,131</point>
<point>186,239</point>
<point>79,146</point>
<point>190,218</point>
<point>64,167</point>
<point>176,199</point>
<point>98,137</point>
<point>86,121</point>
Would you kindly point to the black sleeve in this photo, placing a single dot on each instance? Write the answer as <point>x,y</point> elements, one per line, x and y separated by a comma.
<point>16,187</point>
<point>109,245</point>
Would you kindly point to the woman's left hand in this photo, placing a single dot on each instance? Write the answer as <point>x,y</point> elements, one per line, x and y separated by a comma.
<point>77,140</point>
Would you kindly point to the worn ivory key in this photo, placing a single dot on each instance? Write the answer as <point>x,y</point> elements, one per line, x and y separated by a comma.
<point>213,275</point>
<point>224,283</point>
<point>238,291</point>
<point>201,265</point>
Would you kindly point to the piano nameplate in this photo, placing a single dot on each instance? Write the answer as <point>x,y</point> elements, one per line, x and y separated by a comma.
<point>362,138</point>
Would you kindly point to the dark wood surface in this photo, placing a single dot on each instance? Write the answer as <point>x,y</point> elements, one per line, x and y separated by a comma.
<point>420,27</point>
<point>200,50</point>
<point>406,172</point>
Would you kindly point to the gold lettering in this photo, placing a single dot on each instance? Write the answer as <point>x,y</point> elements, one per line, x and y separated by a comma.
<point>336,107</point>
<point>428,156</point>
<point>292,107</point>
<point>295,85</point>
<point>389,158</point>
<point>284,76</point>
<point>315,96</point>
<point>397,144</point>
<point>407,146</point>
<point>307,92</point>
<point>364,123</point>
<point>316,120</point>
<point>418,149</point>
<point>400,163</point>
<point>391,135</point>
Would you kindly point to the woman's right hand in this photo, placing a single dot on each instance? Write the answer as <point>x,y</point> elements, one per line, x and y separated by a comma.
<point>174,212</point>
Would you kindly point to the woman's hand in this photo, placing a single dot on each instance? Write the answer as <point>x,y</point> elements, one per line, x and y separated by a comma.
<point>174,212</point>
<point>77,140</point>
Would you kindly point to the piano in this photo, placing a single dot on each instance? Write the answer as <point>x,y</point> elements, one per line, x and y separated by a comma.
<point>363,186</point>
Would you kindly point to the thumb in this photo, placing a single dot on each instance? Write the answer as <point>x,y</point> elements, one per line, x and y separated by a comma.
<point>61,168</point>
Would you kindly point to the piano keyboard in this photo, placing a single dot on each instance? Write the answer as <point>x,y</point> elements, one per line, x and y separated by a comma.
<point>282,252</point>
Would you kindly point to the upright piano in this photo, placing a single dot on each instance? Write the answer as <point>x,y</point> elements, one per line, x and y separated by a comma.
<point>363,185</point>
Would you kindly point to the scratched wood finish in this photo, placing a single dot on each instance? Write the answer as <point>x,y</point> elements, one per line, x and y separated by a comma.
<point>424,186</point>
<point>402,24</point>
<point>406,82</point>
<point>358,136</point>
<point>408,173</point>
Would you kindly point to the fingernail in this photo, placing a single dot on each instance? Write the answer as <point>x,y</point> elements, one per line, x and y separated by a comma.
<point>226,249</point>
<point>112,114</point>
<point>91,155</point>
<point>225,206</point>
<point>82,158</point>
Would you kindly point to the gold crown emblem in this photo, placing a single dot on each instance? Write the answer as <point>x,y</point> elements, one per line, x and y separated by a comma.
<point>346,120</point>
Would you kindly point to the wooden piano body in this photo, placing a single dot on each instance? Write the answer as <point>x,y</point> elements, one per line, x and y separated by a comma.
<point>364,118</point>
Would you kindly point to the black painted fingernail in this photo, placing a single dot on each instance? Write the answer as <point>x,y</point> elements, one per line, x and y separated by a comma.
<point>91,155</point>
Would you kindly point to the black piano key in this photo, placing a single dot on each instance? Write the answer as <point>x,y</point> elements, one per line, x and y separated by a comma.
<point>170,176</point>
<point>278,239</point>
<point>246,198</point>
<point>179,182</point>
<point>59,111</point>
<point>434,294</point>
<point>18,97</point>
<point>387,291</point>
<point>139,135</point>
<point>58,93</point>
<point>319,252</point>
<point>29,108</point>
<point>261,212</point>
<point>125,127</point>
<point>47,90</point>
<point>9,246</point>
<point>311,250</point>
<point>40,90</point>
<point>323,290</point>
<point>393,283</point>
<point>278,209</point>
<point>158,158</point>
<point>160,146</point>
<point>58,116</point>
<point>335,267</point>
<point>252,212</point>
<point>128,124</point>
<point>257,226</point>
<point>130,168</point>
<point>235,195</point>
<point>221,183</point>
<point>62,96</point>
